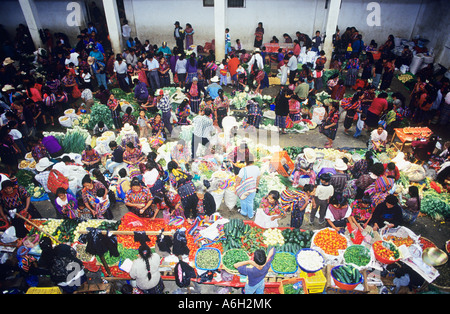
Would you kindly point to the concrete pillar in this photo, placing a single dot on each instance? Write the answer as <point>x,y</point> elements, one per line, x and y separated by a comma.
<point>332,21</point>
<point>129,15</point>
<point>33,22</point>
<point>113,23</point>
<point>219,28</point>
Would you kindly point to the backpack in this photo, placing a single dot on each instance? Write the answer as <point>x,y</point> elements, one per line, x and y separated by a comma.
<point>55,180</point>
<point>183,274</point>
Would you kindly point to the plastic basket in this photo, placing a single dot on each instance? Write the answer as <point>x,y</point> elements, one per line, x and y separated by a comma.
<point>207,248</point>
<point>278,166</point>
<point>315,282</point>
<point>44,290</point>
<point>285,273</point>
<point>233,272</point>
<point>293,281</point>
<point>380,258</point>
<point>343,285</point>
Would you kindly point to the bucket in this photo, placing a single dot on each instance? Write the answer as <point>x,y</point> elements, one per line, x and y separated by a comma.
<point>193,48</point>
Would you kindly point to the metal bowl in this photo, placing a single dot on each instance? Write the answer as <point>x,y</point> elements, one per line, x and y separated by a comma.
<point>434,257</point>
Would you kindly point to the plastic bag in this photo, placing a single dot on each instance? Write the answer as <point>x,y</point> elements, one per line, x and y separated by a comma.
<point>9,235</point>
<point>230,198</point>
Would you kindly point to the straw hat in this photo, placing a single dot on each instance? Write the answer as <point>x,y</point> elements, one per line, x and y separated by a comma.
<point>127,128</point>
<point>8,61</point>
<point>339,164</point>
<point>90,60</point>
<point>7,87</point>
<point>215,79</point>
<point>43,164</point>
<point>310,154</point>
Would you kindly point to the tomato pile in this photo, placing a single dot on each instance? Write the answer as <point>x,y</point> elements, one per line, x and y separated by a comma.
<point>390,254</point>
<point>399,241</point>
<point>330,241</point>
<point>425,243</point>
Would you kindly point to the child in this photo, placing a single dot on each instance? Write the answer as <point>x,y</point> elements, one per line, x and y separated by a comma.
<point>299,208</point>
<point>323,193</point>
<point>102,204</point>
<point>223,70</point>
<point>83,211</point>
<point>227,41</point>
<point>360,124</point>
<point>142,122</point>
<point>123,184</point>
<point>242,78</point>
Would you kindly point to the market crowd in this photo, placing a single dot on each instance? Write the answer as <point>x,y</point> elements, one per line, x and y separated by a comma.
<point>39,85</point>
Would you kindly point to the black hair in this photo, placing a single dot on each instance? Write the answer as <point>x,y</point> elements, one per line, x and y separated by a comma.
<point>130,145</point>
<point>112,144</point>
<point>275,195</point>
<point>377,169</point>
<point>101,124</point>
<point>122,173</point>
<point>413,191</point>
<point>101,192</point>
<point>391,166</point>
<point>172,165</point>
<point>326,177</point>
<point>129,110</point>
<point>207,111</point>
<point>308,188</point>
<point>392,199</point>
<point>366,199</point>
<point>260,257</point>
<point>80,203</point>
<point>86,179</point>
<point>60,191</point>
<point>145,253</point>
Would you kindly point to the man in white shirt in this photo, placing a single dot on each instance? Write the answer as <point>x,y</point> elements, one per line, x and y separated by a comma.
<point>203,126</point>
<point>131,58</point>
<point>71,57</point>
<point>152,71</point>
<point>256,59</point>
<point>292,66</point>
<point>120,68</point>
<point>126,31</point>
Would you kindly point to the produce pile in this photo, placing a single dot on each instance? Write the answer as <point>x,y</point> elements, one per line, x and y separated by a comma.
<point>330,241</point>
<point>232,257</point>
<point>284,263</point>
<point>346,274</point>
<point>207,258</point>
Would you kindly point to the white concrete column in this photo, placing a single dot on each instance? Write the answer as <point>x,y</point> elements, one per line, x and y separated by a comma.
<point>129,15</point>
<point>113,23</point>
<point>32,18</point>
<point>332,21</point>
<point>219,28</point>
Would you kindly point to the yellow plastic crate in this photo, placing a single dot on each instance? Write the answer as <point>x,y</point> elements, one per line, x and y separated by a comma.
<point>44,290</point>
<point>315,282</point>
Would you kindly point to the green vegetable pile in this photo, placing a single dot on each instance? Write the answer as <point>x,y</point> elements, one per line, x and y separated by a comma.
<point>294,151</point>
<point>284,262</point>
<point>124,253</point>
<point>436,205</point>
<point>289,289</point>
<point>100,112</point>
<point>75,140</point>
<point>207,258</point>
<point>357,254</point>
<point>24,177</point>
<point>295,240</point>
<point>346,274</point>
<point>65,231</point>
<point>232,257</point>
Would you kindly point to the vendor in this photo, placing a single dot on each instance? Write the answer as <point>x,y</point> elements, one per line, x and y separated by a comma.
<point>302,200</point>
<point>205,205</point>
<point>254,114</point>
<point>169,202</point>
<point>388,211</point>
<point>145,270</point>
<point>133,156</point>
<point>380,189</point>
<point>304,168</point>
<point>270,210</point>
<point>158,133</point>
<point>390,169</point>
<point>221,105</point>
<point>238,157</point>
<point>340,178</point>
<point>361,212</point>
<point>423,149</point>
<point>138,200</point>
<point>15,198</point>
<point>378,139</point>
<point>66,204</point>
<point>89,192</point>
<point>116,157</point>
<point>90,158</point>
<point>181,154</point>
<point>411,208</point>
<point>338,212</point>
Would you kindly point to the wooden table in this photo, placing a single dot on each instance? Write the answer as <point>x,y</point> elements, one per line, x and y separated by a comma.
<point>407,138</point>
